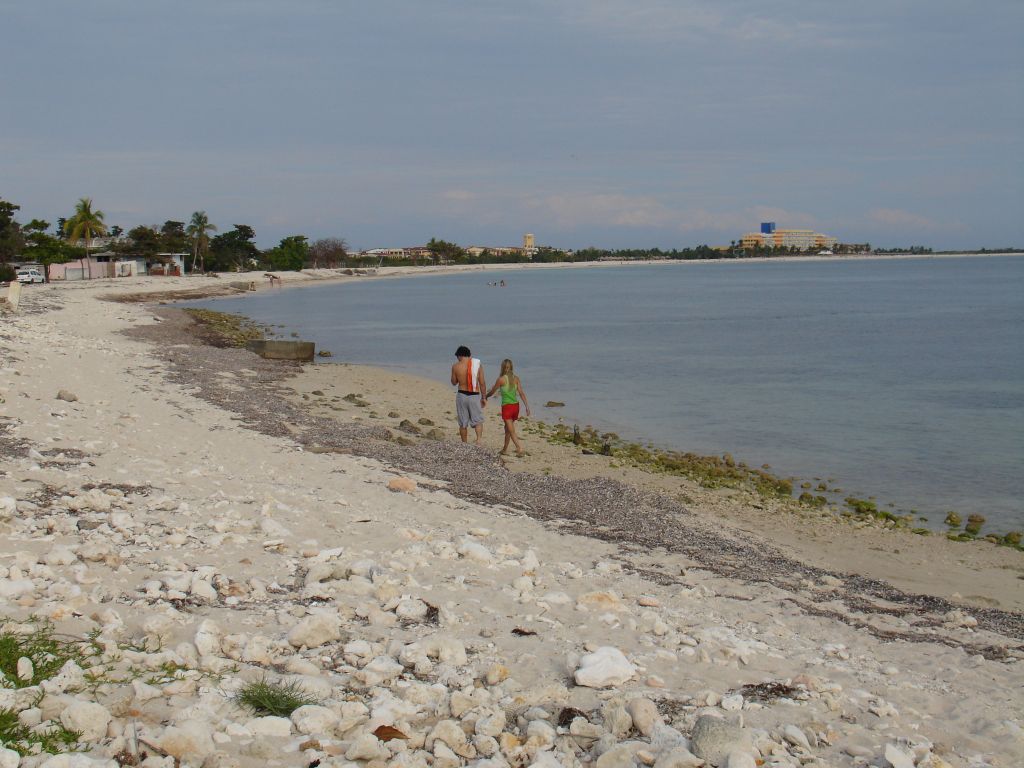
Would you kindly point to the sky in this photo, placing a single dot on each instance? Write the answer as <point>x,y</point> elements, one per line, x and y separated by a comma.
<point>609,123</point>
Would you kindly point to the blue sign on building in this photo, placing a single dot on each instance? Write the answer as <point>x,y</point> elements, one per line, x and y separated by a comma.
<point>767,227</point>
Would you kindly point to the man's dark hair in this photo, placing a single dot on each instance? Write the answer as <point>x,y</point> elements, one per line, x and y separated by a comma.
<point>463,351</point>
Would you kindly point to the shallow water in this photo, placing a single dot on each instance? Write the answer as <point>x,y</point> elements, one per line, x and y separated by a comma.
<point>902,379</point>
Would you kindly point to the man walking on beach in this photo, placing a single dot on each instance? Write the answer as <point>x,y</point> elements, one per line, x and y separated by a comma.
<point>468,376</point>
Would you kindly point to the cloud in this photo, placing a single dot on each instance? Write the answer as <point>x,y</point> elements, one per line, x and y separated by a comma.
<point>898,219</point>
<point>699,20</point>
<point>568,212</point>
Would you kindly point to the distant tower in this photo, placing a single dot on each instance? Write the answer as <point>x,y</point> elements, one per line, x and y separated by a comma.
<point>528,243</point>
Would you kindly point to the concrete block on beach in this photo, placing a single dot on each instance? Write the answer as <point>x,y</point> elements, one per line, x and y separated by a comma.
<point>299,351</point>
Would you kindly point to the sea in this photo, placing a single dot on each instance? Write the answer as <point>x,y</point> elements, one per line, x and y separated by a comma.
<point>896,379</point>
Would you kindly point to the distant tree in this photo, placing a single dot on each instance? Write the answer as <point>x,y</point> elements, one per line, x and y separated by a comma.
<point>443,251</point>
<point>291,254</point>
<point>116,231</point>
<point>84,225</point>
<point>328,252</point>
<point>235,249</point>
<point>198,230</point>
<point>142,241</point>
<point>46,249</point>
<point>11,239</point>
<point>173,238</point>
<point>61,223</point>
<point>36,225</point>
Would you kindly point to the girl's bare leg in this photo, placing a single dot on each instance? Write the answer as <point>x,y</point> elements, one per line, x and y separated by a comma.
<point>504,450</point>
<point>510,431</point>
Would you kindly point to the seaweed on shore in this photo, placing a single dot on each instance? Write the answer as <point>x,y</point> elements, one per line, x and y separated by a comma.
<point>708,471</point>
<point>725,472</point>
<point>222,329</point>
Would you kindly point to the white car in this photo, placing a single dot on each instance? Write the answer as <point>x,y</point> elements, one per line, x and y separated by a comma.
<point>30,275</point>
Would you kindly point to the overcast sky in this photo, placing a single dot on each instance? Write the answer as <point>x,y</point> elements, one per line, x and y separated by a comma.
<point>614,123</point>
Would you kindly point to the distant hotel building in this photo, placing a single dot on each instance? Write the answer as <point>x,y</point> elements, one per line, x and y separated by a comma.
<point>801,239</point>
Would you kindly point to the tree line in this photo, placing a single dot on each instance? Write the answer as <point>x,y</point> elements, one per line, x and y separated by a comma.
<point>74,238</point>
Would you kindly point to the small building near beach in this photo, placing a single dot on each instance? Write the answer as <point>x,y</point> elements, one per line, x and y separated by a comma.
<point>110,264</point>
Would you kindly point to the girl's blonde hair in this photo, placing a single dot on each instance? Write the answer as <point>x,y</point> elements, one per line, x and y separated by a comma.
<point>506,370</point>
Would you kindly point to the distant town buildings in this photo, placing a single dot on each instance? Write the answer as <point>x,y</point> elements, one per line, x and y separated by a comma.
<point>422,252</point>
<point>800,239</point>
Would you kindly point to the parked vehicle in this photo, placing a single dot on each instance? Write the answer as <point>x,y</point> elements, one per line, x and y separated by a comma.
<point>30,275</point>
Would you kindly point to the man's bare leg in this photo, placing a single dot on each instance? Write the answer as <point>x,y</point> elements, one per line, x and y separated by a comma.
<point>464,434</point>
<point>479,429</point>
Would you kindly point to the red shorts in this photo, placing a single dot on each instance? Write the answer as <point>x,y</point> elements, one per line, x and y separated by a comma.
<point>510,412</point>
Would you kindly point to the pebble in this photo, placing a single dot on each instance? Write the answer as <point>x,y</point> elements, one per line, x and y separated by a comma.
<point>713,738</point>
<point>607,666</point>
<point>644,714</point>
<point>898,757</point>
<point>316,630</point>
<point>401,485</point>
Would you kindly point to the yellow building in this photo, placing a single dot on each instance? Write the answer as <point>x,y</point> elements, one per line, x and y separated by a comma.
<point>801,239</point>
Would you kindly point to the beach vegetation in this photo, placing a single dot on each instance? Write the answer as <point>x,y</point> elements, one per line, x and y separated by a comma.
<point>953,519</point>
<point>11,238</point>
<point>707,471</point>
<point>85,224</point>
<point>443,252</point>
<point>278,699</point>
<point>974,524</point>
<point>198,231</point>
<point>52,739</point>
<point>328,252</point>
<point>292,253</point>
<point>234,250</point>
<point>173,237</point>
<point>40,645</point>
<point>862,506</point>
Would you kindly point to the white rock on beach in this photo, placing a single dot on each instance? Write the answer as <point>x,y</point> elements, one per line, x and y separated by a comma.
<point>898,757</point>
<point>713,738</point>
<point>88,718</point>
<point>8,508</point>
<point>604,667</point>
<point>316,630</point>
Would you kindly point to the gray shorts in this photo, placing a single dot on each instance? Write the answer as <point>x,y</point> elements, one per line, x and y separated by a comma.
<point>467,408</point>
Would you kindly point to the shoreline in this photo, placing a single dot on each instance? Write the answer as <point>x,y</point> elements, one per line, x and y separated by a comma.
<point>169,500</point>
<point>861,500</point>
<point>416,409</point>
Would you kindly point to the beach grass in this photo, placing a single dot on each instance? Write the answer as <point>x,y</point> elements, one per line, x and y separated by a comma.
<point>47,654</point>
<point>279,699</point>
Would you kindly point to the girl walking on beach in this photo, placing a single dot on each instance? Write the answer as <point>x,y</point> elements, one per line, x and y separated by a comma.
<point>511,391</point>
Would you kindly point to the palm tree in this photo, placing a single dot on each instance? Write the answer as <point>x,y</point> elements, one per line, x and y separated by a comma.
<point>197,229</point>
<point>85,225</point>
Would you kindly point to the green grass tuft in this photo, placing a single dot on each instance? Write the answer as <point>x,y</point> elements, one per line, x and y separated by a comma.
<point>281,699</point>
<point>26,741</point>
<point>46,652</point>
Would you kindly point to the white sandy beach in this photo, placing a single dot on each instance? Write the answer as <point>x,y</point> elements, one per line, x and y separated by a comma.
<point>233,555</point>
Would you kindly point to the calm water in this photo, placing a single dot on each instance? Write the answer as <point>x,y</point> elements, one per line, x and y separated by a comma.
<point>902,379</point>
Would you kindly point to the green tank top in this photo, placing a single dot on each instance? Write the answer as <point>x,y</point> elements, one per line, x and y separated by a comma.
<point>508,392</point>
